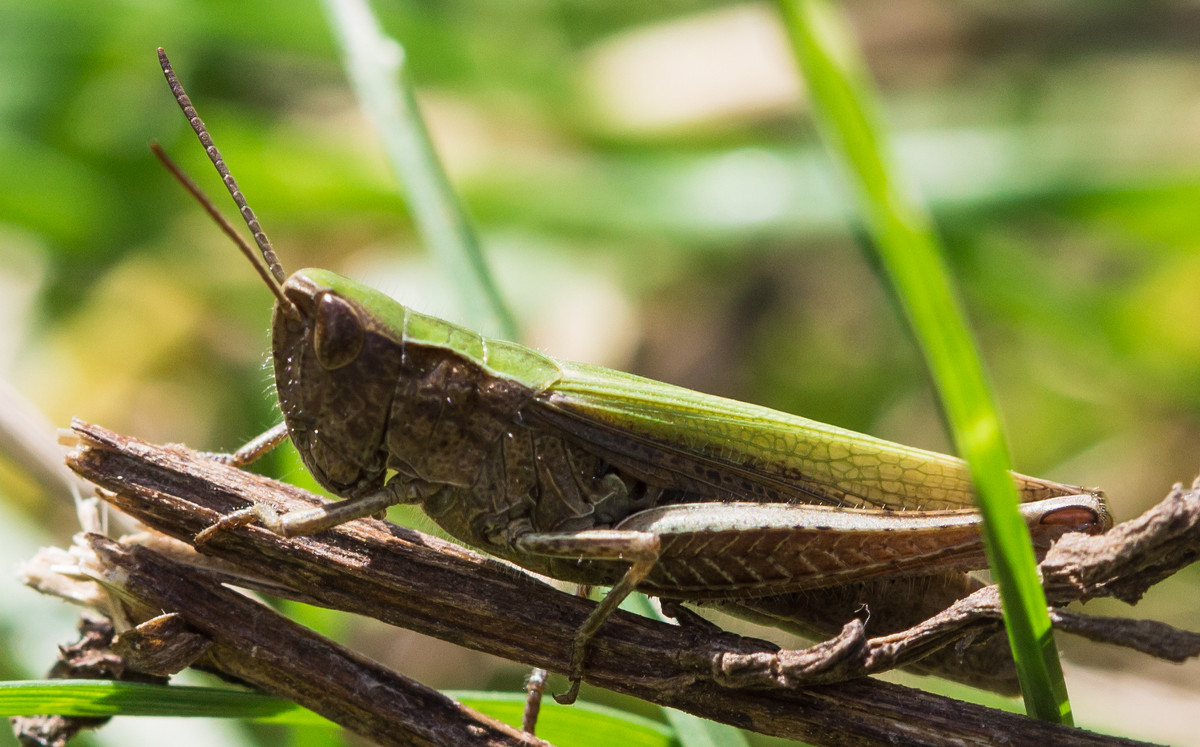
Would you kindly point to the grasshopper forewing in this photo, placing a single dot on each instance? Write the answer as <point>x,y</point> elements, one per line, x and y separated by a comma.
<point>597,476</point>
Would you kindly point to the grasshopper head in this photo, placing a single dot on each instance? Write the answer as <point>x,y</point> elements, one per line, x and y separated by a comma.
<point>336,358</point>
<point>336,366</point>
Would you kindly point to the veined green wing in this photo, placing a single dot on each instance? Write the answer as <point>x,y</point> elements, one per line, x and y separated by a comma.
<point>723,449</point>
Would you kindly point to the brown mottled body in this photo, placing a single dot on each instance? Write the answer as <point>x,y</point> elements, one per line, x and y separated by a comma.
<point>505,463</point>
<point>484,455</point>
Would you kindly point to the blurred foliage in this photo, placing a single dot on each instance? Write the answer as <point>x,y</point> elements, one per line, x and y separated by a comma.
<point>652,196</point>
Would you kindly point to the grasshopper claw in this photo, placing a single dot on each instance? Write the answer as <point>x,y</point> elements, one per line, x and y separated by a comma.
<point>265,514</point>
<point>571,694</point>
<point>575,674</point>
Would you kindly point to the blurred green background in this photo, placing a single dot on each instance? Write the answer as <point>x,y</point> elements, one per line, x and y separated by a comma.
<point>652,197</point>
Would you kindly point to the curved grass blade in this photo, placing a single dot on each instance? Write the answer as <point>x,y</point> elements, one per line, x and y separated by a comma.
<point>911,255</point>
<point>378,70</point>
<point>593,724</point>
<point>103,698</point>
<point>575,725</point>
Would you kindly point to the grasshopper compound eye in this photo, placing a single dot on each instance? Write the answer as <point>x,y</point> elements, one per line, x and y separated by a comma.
<point>338,336</point>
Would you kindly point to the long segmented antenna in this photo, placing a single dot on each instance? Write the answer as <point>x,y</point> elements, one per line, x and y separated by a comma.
<point>214,155</point>
<point>226,226</point>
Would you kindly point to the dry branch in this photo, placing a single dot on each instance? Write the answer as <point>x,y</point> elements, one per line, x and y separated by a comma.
<point>252,643</point>
<point>425,584</point>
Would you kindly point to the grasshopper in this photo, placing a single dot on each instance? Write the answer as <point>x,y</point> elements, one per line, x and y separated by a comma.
<point>591,475</point>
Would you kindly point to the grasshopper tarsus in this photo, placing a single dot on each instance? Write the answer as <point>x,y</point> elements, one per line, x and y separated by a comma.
<point>260,512</point>
<point>571,695</point>
<point>637,573</point>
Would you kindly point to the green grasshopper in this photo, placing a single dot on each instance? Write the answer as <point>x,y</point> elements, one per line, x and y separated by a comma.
<point>591,475</point>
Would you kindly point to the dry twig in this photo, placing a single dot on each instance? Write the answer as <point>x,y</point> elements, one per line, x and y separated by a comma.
<point>425,584</point>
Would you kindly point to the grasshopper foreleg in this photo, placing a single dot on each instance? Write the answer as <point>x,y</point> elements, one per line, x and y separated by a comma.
<point>640,549</point>
<point>317,519</point>
<point>253,450</point>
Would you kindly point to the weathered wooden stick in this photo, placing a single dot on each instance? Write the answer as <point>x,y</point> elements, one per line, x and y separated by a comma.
<point>419,582</point>
<point>258,646</point>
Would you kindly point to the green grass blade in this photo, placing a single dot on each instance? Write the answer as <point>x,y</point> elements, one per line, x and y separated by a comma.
<point>378,71</point>
<point>100,698</point>
<point>581,724</point>
<point>910,253</point>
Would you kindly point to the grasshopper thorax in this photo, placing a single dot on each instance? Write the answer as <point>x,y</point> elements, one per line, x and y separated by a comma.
<point>367,385</point>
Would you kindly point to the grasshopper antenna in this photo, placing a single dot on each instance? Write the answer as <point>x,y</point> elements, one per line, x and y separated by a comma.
<point>227,227</point>
<point>214,155</point>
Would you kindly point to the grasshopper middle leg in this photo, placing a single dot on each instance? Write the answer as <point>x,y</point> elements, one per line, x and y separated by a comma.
<point>640,549</point>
